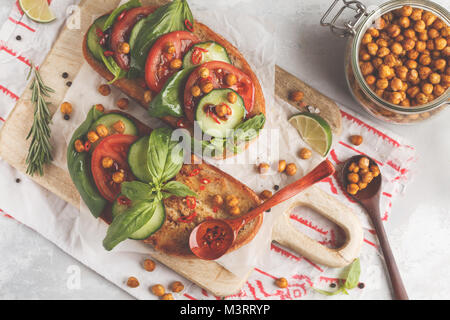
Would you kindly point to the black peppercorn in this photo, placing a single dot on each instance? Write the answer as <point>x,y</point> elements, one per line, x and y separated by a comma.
<point>66,117</point>
<point>276,187</point>
<point>18,38</point>
<point>268,210</point>
<point>332,285</point>
<point>68,83</point>
<point>17,180</point>
<point>65,75</point>
<point>361,285</point>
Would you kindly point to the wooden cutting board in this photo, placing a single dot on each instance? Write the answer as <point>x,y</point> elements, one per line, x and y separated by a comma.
<point>66,55</point>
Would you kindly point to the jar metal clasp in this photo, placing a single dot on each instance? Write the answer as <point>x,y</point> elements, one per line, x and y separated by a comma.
<point>349,27</point>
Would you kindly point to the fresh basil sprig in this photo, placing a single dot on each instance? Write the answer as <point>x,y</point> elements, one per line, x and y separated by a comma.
<point>164,161</point>
<point>351,277</point>
<point>167,18</point>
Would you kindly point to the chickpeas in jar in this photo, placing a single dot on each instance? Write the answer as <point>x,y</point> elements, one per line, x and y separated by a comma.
<point>403,59</point>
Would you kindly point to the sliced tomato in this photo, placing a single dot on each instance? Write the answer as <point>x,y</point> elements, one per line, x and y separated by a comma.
<point>218,70</point>
<point>116,147</point>
<point>121,32</point>
<point>157,67</point>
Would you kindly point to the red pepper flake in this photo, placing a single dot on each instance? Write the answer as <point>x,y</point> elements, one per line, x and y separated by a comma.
<point>205,181</point>
<point>212,115</point>
<point>187,219</point>
<point>123,200</point>
<point>189,25</point>
<point>197,56</point>
<point>215,209</point>
<point>181,124</point>
<point>194,172</point>
<point>191,202</point>
<point>120,17</point>
<point>202,187</point>
<point>108,53</point>
<point>87,146</point>
<point>99,33</point>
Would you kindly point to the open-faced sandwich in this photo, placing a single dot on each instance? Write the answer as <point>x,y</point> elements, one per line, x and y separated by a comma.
<point>181,71</point>
<point>136,180</point>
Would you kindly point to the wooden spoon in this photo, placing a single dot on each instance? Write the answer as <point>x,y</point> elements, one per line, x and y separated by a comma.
<point>211,239</point>
<point>369,198</point>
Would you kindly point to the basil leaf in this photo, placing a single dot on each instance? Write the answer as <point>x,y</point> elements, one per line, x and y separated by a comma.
<point>178,189</point>
<point>136,190</point>
<point>353,273</point>
<point>165,157</point>
<point>167,18</point>
<point>129,222</point>
<point>112,67</point>
<point>169,102</point>
<point>249,130</point>
<point>126,6</point>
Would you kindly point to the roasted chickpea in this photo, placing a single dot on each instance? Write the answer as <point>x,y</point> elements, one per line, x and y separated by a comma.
<point>266,194</point>
<point>434,78</point>
<point>406,11</point>
<point>353,167</point>
<point>230,79</point>
<point>390,60</point>
<point>124,48</point>
<point>232,201</point>
<point>297,96</point>
<point>221,110</point>
<point>384,71</point>
<point>404,22</point>
<point>66,108</point>
<point>132,282</point>
<point>396,48</point>
<point>375,170</point>
<point>412,54</point>
<point>412,75</point>
<point>281,165</point>
<point>353,177</point>
<point>440,64</point>
<point>411,64</point>
<point>364,162</point>
<point>409,33</point>
<point>396,84</point>
<point>367,38</point>
<point>217,200</point>
<point>438,24</point>
<point>206,86</point>
<point>196,91</point>
<point>149,265</point>
<point>382,43</point>
<point>119,126</point>
<point>100,107</point>
<point>428,18</point>
<point>372,48</point>
<point>433,33</point>
<point>122,103</point>
<point>413,91</point>
<point>430,46</point>
<point>235,211</point>
<point>377,62</point>
<point>263,168</point>
<point>401,72</point>
<point>421,46</point>
<point>373,32</point>
<point>305,153</point>
<point>383,52</point>
<point>421,98</point>
<point>104,90</point>
<point>102,130</point>
<point>438,90</point>
<point>177,286</point>
<point>118,176</point>
<point>370,79</point>
<point>408,44</point>
<point>352,188</point>
<point>291,169</point>
<point>147,96</point>
<point>158,290</point>
<point>363,56</point>
<point>367,177</point>
<point>382,83</point>
<point>167,296</point>
<point>232,97</point>
<point>440,43</point>
<point>281,283</point>
<point>203,72</point>
<point>380,23</point>
<point>393,30</point>
<point>92,136</point>
<point>405,103</point>
<point>395,97</point>
<point>79,146</point>
<point>424,72</point>
<point>175,64</point>
<point>445,80</point>
<point>416,14</point>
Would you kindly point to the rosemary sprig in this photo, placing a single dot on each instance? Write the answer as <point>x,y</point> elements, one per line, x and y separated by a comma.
<point>40,149</point>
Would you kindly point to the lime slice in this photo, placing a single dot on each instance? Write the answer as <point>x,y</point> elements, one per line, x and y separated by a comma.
<point>37,10</point>
<point>314,130</point>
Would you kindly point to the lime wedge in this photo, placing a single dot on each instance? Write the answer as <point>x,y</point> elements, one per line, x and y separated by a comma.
<point>314,130</point>
<point>37,10</point>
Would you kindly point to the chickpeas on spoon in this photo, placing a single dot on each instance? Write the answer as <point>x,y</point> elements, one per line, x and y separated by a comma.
<point>361,178</point>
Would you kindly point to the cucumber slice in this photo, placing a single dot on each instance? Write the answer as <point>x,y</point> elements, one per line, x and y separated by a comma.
<point>92,39</point>
<point>215,52</point>
<point>153,225</point>
<point>210,123</point>
<point>137,159</point>
<point>111,118</point>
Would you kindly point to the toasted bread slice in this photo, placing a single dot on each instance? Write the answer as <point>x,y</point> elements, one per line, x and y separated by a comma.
<point>134,89</point>
<point>207,181</point>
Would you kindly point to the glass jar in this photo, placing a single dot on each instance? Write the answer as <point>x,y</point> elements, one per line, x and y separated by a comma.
<point>366,97</point>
